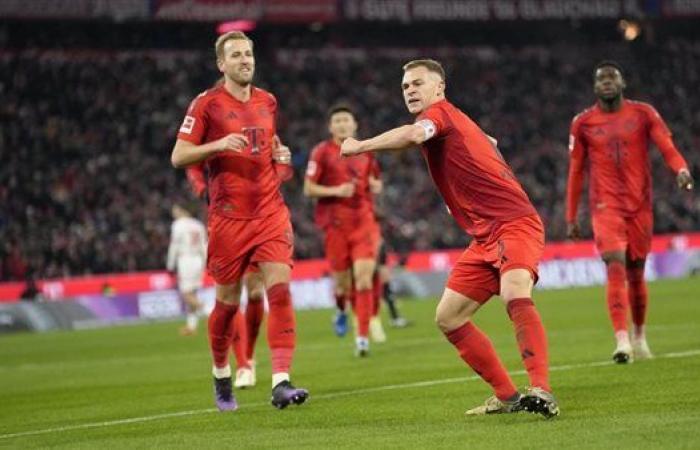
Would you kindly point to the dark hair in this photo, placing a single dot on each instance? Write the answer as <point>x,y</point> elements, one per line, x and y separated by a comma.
<point>609,63</point>
<point>340,107</point>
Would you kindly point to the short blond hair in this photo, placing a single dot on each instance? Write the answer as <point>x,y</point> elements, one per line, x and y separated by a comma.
<point>230,36</point>
<point>430,64</point>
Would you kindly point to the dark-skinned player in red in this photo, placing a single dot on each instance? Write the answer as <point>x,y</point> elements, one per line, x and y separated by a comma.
<point>611,141</point>
<point>484,197</point>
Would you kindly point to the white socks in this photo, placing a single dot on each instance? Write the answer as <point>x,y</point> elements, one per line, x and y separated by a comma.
<point>221,372</point>
<point>623,338</point>
<point>279,377</point>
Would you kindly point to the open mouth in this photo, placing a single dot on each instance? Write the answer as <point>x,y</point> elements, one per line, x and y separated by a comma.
<point>413,101</point>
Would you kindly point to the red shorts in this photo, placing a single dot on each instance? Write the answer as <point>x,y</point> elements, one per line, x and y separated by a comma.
<point>616,233</point>
<point>517,244</point>
<point>343,245</point>
<point>236,244</point>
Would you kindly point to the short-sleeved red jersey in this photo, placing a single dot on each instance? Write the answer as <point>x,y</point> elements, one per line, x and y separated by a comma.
<point>615,146</point>
<point>477,185</point>
<point>327,168</point>
<point>242,185</point>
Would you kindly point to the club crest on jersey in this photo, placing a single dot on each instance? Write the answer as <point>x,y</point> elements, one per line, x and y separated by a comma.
<point>187,125</point>
<point>231,116</point>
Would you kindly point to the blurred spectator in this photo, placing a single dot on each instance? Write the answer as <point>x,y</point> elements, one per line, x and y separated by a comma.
<point>86,138</point>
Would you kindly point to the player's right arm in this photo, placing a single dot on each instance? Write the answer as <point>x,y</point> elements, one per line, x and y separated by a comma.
<point>577,160</point>
<point>314,173</point>
<point>195,176</point>
<point>190,147</point>
<point>186,153</point>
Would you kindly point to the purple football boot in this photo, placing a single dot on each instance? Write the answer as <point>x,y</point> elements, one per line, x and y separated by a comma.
<point>285,393</point>
<point>223,394</point>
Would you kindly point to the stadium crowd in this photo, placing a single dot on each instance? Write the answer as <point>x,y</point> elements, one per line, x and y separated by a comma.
<point>87,185</point>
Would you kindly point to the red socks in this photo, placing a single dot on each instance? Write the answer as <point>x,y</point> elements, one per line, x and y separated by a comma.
<point>240,339</point>
<point>617,295</point>
<point>532,340</point>
<point>477,351</point>
<point>363,310</point>
<point>377,291</point>
<point>254,314</point>
<point>281,327</point>
<point>221,331</point>
<point>638,295</point>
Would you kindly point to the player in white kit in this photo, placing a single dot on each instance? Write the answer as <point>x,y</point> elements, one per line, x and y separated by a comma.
<point>187,257</point>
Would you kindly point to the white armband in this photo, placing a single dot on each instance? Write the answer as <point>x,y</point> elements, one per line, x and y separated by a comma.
<point>428,127</point>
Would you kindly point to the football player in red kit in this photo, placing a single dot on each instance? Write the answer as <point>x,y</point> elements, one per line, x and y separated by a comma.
<point>345,213</point>
<point>232,129</point>
<point>484,197</point>
<point>611,141</point>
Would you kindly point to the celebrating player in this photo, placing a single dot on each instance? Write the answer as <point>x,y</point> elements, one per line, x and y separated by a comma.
<point>613,137</point>
<point>486,200</point>
<point>345,213</point>
<point>232,127</point>
<point>187,254</point>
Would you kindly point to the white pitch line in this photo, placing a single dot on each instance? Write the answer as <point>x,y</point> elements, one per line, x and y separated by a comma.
<point>391,387</point>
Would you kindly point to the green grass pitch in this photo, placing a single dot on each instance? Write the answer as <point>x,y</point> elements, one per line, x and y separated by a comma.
<point>147,387</point>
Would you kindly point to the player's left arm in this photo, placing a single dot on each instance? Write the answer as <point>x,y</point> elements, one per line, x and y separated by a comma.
<point>662,137</point>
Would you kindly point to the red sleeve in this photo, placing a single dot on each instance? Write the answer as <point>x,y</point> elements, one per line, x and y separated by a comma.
<point>194,125</point>
<point>577,160</point>
<point>435,115</point>
<point>195,175</point>
<point>314,169</point>
<point>661,135</point>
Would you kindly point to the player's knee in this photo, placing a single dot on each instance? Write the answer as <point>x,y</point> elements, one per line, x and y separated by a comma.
<point>516,283</point>
<point>614,258</point>
<point>256,294</point>
<point>447,322</point>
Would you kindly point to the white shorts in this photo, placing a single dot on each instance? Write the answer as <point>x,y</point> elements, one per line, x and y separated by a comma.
<point>190,270</point>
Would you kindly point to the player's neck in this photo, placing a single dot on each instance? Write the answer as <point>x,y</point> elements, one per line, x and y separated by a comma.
<point>239,92</point>
<point>611,105</point>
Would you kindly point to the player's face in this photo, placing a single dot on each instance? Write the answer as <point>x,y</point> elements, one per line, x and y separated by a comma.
<point>342,125</point>
<point>608,83</point>
<point>421,88</point>
<point>238,62</point>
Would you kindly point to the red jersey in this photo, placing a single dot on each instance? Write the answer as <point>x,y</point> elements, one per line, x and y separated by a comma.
<point>327,168</point>
<point>242,185</point>
<point>616,147</point>
<point>477,185</point>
